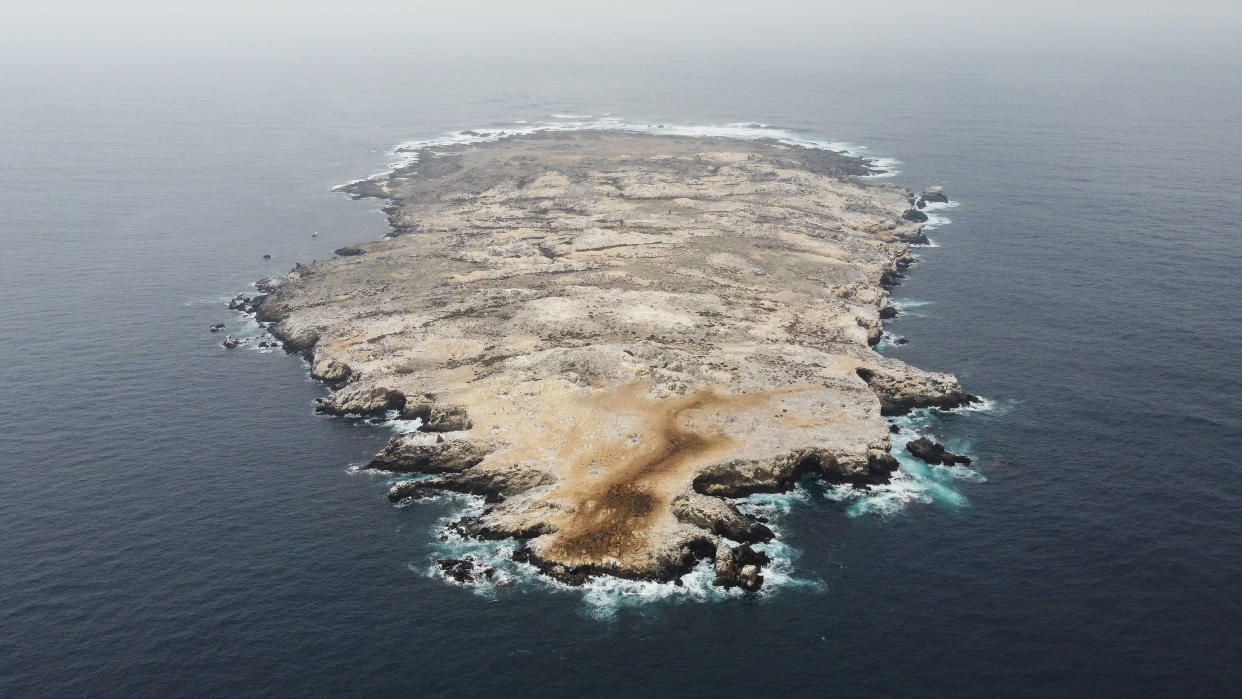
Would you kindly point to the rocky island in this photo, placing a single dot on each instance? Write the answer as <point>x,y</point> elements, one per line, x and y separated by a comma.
<point>610,336</point>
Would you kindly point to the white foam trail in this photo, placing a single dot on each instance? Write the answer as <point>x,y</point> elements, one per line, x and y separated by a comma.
<point>909,307</point>
<point>208,301</point>
<point>903,304</point>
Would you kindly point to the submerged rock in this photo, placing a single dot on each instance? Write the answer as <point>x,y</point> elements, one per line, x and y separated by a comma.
<point>465,570</point>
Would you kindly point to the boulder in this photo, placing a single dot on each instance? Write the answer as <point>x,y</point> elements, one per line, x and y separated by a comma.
<point>934,453</point>
<point>739,567</point>
<point>331,370</point>
<point>749,579</point>
<point>230,342</point>
<point>933,194</point>
<point>216,327</point>
<point>436,417</point>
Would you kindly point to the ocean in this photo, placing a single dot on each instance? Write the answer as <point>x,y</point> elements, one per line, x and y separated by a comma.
<point>177,520</point>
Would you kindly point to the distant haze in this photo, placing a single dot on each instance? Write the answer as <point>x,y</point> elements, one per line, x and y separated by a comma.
<point>635,27</point>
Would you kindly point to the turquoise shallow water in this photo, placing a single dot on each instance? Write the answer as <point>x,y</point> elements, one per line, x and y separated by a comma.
<point>177,519</point>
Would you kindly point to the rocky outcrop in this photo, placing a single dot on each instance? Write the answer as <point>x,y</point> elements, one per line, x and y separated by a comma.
<point>362,400</point>
<point>719,517</point>
<point>914,215</point>
<point>934,453</point>
<point>216,327</point>
<point>465,570</point>
<point>492,484</point>
<point>901,390</point>
<point>331,370</point>
<point>231,342</point>
<point>607,336</point>
<point>416,452</point>
<point>930,195</point>
<point>739,567</point>
<point>245,304</point>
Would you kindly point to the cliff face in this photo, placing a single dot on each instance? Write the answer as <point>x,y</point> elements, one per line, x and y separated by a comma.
<point>610,334</point>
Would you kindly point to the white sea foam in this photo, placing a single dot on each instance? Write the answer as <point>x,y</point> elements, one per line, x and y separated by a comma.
<point>909,307</point>
<point>405,154</point>
<point>604,596</point>
<point>208,301</point>
<point>400,426</point>
<point>908,303</point>
<point>888,341</point>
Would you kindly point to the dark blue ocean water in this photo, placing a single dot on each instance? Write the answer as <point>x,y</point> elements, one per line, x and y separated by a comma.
<point>174,518</point>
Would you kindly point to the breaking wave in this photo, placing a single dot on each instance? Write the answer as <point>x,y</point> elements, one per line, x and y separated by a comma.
<point>405,154</point>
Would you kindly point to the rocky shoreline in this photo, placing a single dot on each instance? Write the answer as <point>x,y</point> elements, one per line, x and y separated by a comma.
<point>612,336</point>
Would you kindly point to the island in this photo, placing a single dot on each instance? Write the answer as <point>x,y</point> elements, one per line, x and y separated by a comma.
<point>612,336</point>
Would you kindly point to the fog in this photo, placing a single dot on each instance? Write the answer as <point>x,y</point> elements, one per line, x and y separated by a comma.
<point>634,28</point>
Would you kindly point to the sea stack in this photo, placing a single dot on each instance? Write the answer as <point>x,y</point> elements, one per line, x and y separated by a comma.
<point>611,335</point>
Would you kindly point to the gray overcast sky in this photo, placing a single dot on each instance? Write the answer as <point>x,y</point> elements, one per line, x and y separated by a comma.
<point>542,25</point>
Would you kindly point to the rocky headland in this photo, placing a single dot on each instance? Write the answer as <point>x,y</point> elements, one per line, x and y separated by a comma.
<point>611,336</point>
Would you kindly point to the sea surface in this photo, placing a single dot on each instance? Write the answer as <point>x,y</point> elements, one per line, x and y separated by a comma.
<point>176,520</point>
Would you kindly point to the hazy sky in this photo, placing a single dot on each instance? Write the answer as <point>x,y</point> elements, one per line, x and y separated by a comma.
<point>477,26</point>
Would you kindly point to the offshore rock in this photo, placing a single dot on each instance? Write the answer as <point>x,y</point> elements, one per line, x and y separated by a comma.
<point>614,333</point>
<point>464,570</point>
<point>931,194</point>
<point>934,453</point>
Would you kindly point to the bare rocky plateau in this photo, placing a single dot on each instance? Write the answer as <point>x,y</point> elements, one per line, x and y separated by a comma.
<point>611,336</point>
